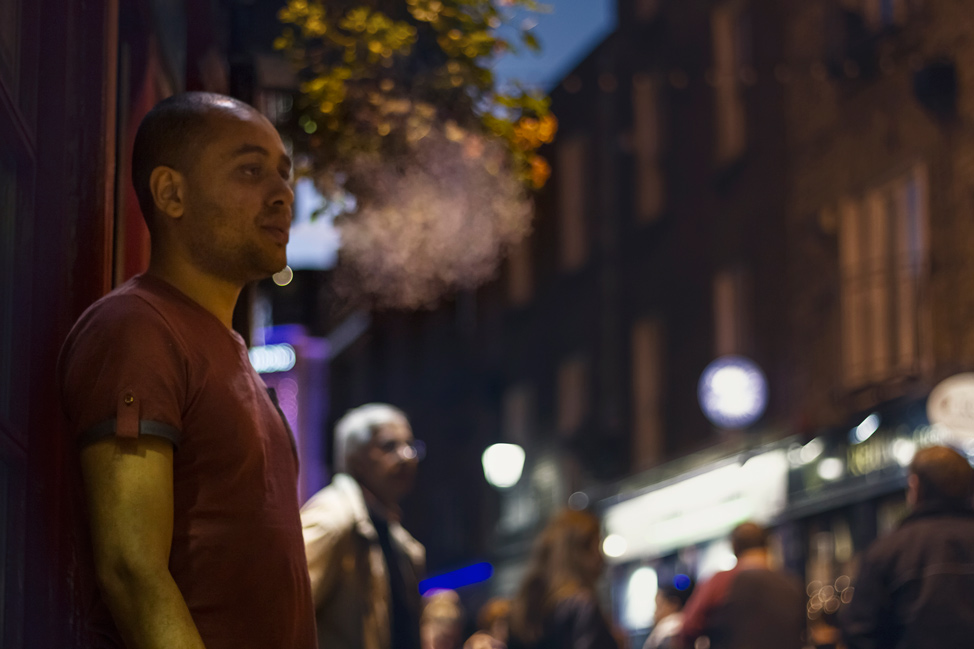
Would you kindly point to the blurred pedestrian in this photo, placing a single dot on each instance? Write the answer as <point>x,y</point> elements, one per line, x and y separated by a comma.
<point>752,606</point>
<point>668,618</point>
<point>556,606</point>
<point>916,586</point>
<point>441,625</point>
<point>188,544</point>
<point>365,567</point>
<point>493,625</point>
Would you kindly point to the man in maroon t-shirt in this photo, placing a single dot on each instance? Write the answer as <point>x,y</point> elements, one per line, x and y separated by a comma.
<point>189,468</point>
<point>751,606</point>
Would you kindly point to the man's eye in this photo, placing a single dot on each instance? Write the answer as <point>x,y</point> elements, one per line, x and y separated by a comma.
<point>252,170</point>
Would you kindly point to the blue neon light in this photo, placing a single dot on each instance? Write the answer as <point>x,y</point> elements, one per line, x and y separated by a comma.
<point>473,574</point>
<point>681,582</point>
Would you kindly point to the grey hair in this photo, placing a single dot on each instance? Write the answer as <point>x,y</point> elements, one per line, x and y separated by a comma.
<point>354,430</point>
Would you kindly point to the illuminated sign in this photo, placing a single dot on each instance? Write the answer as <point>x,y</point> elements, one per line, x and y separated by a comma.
<point>883,452</point>
<point>702,507</point>
<point>272,358</point>
<point>951,404</point>
<point>473,574</point>
<point>733,392</point>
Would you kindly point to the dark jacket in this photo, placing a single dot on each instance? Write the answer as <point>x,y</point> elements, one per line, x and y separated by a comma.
<point>575,623</point>
<point>916,586</point>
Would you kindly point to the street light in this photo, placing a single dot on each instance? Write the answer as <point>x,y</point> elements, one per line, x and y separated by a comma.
<point>503,464</point>
<point>733,392</point>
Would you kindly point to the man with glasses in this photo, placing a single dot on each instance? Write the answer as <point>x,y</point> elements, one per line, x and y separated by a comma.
<point>365,568</point>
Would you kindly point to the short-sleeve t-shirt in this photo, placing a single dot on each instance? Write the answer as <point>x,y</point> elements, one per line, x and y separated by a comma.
<point>146,359</point>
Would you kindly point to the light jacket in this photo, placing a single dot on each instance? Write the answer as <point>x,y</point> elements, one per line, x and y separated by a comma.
<point>349,578</point>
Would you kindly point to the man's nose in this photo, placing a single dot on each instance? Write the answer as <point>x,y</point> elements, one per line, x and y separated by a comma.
<point>285,195</point>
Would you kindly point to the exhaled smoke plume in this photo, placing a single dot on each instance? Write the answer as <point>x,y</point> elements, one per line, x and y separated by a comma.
<point>440,222</point>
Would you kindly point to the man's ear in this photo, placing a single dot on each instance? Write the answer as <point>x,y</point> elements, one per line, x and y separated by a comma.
<point>168,191</point>
<point>912,489</point>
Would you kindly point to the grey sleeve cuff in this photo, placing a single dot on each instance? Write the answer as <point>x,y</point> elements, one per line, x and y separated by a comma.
<point>146,427</point>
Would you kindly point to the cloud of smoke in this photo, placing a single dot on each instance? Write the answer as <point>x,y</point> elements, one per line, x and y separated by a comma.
<point>440,222</point>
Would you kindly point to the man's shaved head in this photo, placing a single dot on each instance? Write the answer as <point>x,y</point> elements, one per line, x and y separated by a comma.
<point>172,134</point>
<point>748,536</point>
<point>942,474</point>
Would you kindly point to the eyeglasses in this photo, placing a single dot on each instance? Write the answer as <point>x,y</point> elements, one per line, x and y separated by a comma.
<point>414,450</point>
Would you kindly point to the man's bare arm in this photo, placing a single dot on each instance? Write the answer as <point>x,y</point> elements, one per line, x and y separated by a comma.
<point>128,484</point>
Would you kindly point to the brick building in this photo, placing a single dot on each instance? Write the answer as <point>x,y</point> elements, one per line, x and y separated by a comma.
<point>783,180</point>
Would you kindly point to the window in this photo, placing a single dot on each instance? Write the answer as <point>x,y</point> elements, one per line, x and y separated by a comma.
<point>646,135</point>
<point>730,59</point>
<point>518,413</point>
<point>645,10</point>
<point>571,204</point>
<point>731,324</point>
<point>883,255</point>
<point>647,393</point>
<point>572,395</point>
<point>520,281</point>
<point>883,14</point>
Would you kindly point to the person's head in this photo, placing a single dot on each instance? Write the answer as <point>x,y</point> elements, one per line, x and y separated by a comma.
<point>566,559</point>
<point>374,444</point>
<point>494,618</point>
<point>939,473</point>
<point>748,538</point>
<point>213,182</point>
<point>441,623</point>
<point>670,599</point>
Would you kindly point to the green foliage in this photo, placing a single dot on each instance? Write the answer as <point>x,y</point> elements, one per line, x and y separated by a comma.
<point>378,75</point>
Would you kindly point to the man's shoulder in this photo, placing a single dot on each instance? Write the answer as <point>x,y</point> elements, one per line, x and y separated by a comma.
<point>129,305</point>
<point>332,507</point>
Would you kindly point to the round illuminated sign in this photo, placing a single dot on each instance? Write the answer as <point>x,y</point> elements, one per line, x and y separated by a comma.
<point>951,404</point>
<point>733,392</point>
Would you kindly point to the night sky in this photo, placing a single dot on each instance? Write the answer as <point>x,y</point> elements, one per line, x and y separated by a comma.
<point>567,34</point>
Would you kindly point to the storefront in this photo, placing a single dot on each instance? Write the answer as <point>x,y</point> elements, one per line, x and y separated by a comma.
<point>825,501</point>
<point>679,526</point>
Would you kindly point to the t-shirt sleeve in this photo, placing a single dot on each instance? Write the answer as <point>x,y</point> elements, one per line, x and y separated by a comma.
<point>123,373</point>
<point>700,605</point>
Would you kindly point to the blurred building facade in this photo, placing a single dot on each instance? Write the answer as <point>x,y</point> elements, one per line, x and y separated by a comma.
<point>787,181</point>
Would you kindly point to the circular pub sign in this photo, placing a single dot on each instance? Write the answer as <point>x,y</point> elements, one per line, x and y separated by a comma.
<point>951,404</point>
<point>733,392</point>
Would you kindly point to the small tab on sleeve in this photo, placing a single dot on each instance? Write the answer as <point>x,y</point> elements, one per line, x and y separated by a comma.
<point>127,415</point>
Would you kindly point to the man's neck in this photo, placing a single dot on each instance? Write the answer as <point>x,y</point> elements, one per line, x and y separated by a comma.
<point>376,506</point>
<point>217,296</point>
<point>754,559</point>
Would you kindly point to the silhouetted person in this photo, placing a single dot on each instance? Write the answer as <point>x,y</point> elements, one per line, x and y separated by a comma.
<point>752,606</point>
<point>441,624</point>
<point>190,471</point>
<point>668,617</point>
<point>916,585</point>
<point>493,625</point>
<point>365,567</point>
<point>556,606</point>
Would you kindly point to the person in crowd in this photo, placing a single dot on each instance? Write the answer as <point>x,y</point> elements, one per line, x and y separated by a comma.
<point>556,606</point>
<point>189,469</point>
<point>365,567</point>
<point>441,624</point>
<point>915,588</point>
<point>752,606</point>
<point>493,625</point>
<point>668,617</point>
